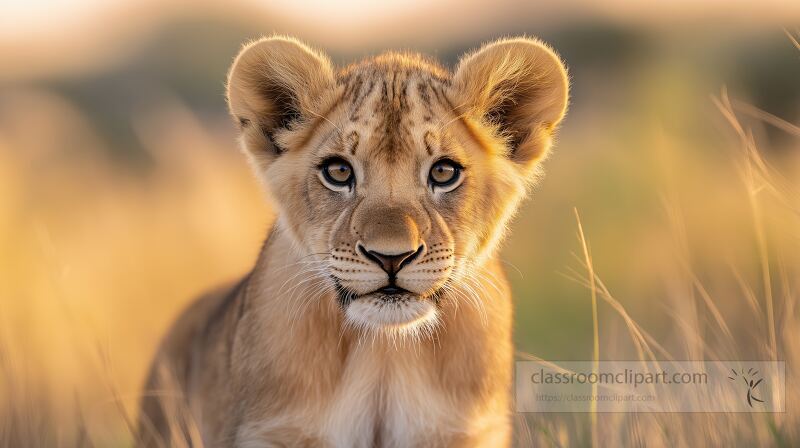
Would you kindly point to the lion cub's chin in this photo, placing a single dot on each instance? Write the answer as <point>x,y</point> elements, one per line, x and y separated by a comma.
<point>396,314</point>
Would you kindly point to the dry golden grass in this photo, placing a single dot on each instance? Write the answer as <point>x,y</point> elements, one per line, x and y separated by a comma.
<point>96,261</point>
<point>764,312</point>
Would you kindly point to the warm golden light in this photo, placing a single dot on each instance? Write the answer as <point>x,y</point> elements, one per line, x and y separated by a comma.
<point>123,194</point>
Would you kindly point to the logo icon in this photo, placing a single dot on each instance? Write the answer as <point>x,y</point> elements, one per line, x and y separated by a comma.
<point>751,380</point>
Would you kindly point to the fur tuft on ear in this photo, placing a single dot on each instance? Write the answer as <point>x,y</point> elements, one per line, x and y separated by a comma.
<point>274,82</point>
<point>518,86</point>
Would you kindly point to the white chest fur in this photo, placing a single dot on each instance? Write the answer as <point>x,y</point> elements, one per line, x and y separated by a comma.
<point>386,398</point>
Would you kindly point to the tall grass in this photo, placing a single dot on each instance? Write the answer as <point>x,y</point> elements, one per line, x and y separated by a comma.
<point>772,325</point>
<point>96,260</point>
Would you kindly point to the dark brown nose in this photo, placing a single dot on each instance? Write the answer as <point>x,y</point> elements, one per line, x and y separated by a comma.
<point>391,263</point>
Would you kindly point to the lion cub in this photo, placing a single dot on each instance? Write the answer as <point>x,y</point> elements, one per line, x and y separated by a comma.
<point>377,313</point>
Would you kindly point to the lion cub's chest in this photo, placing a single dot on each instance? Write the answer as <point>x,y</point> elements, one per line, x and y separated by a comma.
<point>387,400</point>
<point>380,401</point>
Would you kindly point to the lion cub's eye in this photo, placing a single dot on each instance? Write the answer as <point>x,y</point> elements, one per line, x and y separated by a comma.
<point>445,174</point>
<point>337,172</point>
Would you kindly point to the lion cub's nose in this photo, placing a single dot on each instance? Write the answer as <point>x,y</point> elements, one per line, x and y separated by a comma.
<point>391,263</point>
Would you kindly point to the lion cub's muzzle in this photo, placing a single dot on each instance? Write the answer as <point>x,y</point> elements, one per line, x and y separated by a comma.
<point>391,271</point>
<point>380,290</point>
<point>360,271</point>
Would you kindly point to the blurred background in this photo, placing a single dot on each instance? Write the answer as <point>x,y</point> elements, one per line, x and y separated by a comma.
<point>123,194</point>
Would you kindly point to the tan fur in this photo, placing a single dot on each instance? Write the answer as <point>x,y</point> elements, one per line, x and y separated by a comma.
<point>304,351</point>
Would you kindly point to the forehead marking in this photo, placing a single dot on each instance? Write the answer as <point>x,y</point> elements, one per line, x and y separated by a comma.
<point>386,93</point>
<point>428,138</point>
<point>351,142</point>
<point>425,97</point>
<point>351,86</point>
<point>402,99</point>
<point>439,94</point>
<point>392,131</point>
<point>358,99</point>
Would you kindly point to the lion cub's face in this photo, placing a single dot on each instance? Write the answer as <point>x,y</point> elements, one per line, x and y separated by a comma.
<point>395,178</point>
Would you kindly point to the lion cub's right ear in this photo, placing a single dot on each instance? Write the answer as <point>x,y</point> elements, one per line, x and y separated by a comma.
<point>274,82</point>
<point>519,87</point>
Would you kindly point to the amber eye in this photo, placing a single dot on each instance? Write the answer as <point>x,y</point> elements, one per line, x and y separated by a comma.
<point>337,172</point>
<point>444,173</point>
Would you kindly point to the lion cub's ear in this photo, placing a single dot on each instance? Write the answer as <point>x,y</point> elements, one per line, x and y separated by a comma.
<point>519,86</point>
<point>275,81</point>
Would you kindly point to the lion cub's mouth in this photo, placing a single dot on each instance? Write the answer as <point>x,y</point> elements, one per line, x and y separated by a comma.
<point>392,290</point>
<point>392,309</point>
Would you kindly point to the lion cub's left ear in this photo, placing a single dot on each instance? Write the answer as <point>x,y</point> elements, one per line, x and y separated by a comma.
<point>519,86</point>
<point>273,83</point>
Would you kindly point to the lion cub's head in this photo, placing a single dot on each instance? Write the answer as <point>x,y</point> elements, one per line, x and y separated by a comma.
<point>395,175</point>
